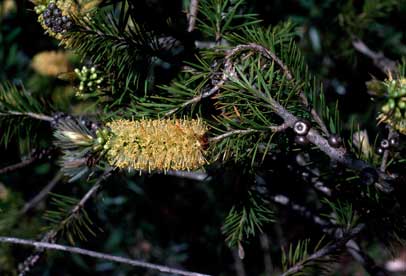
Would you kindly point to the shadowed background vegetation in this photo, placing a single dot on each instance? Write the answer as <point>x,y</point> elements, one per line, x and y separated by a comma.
<point>177,221</point>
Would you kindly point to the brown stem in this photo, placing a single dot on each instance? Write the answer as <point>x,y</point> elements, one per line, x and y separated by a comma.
<point>238,264</point>
<point>193,9</point>
<point>17,166</point>
<point>42,194</point>
<point>33,115</point>
<point>351,246</point>
<point>383,63</point>
<point>246,131</point>
<point>264,241</point>
<point>192,175</point>
<point>272,56</point>
<point>338,154</point>
<point>197,98</point>
<point>94,254</point>
<point>51,235</point>
<point>324,251</point>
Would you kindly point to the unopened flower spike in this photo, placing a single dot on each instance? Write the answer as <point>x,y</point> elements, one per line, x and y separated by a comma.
<point>74,138</point>
<point>80,143</point>
<point>156,145</point>
<point>90,81</point>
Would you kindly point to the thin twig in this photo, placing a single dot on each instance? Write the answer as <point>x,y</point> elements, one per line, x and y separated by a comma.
<point>86,197</point>
<point>42,194</point>
<point>231,133</point>
<point>311,174</point>
<point>199,176</point>
<point>51,235</point>
<point>324,251</point>
<point>387,66</point>
<point>197,98</point>
<point>338,154</point>
<point>238,264</point>
<point>98,255</point>
<point>270,55</point>
<point>17,166</point>
<point>33,115</point>
<point>228,71</point>
<point>193,9</point>
<point>334,230</point>
<point>36,155</point>
<point>366,261</point>
<point>247,131</point>
<point>303,211</point>
<point>264,241</point>
<point>383,63</point>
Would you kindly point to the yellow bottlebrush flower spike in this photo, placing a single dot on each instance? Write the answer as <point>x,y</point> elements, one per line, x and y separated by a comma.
<point>50,63</point>
<point>156,144</point>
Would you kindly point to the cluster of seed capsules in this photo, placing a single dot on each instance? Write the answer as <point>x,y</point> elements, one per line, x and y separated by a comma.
<point>54,19</point>
<point>302,128</point>
<point>387,144</point>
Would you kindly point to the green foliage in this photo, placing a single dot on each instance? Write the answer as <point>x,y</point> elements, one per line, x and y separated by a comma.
<point>237,76</point>
<point>222,17</point>
<point>301,257</point>
<point>120,47</point>
<point>272,38</point>
<point>342,215</point>
<point>242,101</point>
<point>280,39</point>
<point>295,255</point>
<point>244,105</point>
<point>12,222</point>
<point>15,106</point>
<point>70,218</point>
<point>357,23</point>
<point>193,82</point>
<point>243,222</point>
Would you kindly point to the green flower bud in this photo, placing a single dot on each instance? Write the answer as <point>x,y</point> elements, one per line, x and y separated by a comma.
<point>398,114</point>
<point>391,104</point>
<point>385,108</point>
<point>402,104</point>
<point>100,140</point>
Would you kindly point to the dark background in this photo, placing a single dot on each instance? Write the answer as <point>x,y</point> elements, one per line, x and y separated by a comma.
<point>174,221</point>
